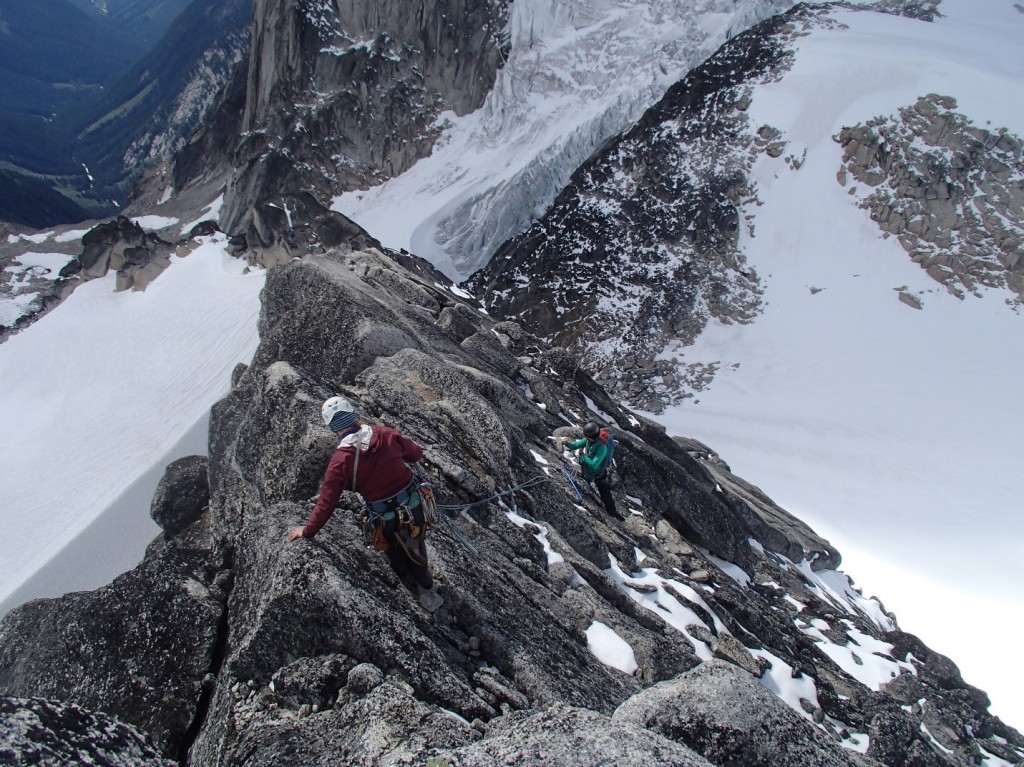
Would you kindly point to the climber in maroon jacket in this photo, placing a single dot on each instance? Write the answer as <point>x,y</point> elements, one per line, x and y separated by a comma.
<point>371,460</point>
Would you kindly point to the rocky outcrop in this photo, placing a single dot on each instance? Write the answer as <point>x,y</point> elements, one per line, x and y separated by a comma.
<point>182,494</point>
<point>230,646</point>
<point>720,710</point>
<point>951,193</point>
<point>283,227</point>
<point>341,97</point>
<point>40,732</point>
<point>137,256</point>
<point>139,649</point>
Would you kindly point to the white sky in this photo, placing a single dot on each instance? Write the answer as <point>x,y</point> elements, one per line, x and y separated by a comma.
<point>95,393</point>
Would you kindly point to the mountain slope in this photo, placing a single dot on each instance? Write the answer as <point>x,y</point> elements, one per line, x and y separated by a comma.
<point>88,140</point>
<point>51,55</point>
<point>820,621</point>
<point>36,79</point>
<point>573,77</point>
<point>848,384</point>
<point>707,627</point>
<point>340,96</point>
<point>149,393</point>
<point>147,20</point>
<point>150,112</point>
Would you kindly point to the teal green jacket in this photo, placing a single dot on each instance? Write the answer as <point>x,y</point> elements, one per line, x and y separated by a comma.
<point>593,458</point>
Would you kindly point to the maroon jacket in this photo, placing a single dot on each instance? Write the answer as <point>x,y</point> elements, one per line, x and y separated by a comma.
<point>382,471</point>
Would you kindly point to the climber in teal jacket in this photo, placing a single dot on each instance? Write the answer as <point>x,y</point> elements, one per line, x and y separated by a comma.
<point>594,460</point>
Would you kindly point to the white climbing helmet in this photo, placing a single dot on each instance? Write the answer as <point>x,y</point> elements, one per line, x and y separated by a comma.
<point>338,413</point>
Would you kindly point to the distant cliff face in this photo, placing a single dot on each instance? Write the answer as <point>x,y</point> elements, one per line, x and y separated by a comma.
<point>708,627</point>
<point>343,95</point>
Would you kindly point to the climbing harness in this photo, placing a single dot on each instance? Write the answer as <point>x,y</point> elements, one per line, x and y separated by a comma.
<point>376,514</point>
<point>385,505</point>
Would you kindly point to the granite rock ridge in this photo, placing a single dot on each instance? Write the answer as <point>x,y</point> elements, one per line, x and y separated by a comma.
<point>738,641</point>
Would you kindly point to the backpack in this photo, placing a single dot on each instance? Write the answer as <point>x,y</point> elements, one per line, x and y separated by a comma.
<point>607,440</point>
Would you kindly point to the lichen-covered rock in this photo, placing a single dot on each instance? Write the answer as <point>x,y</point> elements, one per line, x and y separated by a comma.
<point>49,734</point>
<point>573,737</point>
<point>722,712</point>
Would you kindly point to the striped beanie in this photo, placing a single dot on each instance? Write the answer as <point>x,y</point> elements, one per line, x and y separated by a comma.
<point>341,420</point>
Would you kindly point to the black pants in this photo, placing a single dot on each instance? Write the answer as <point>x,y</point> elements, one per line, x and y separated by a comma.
<point>605,491</point>
<point>414,563</point>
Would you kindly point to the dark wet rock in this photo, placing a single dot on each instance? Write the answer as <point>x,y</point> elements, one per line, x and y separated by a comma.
<point>182,494</point>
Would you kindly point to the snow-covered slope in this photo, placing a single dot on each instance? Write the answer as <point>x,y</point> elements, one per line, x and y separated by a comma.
<point>99,391</point>
<point>577,73</point>
<point>892,431</point>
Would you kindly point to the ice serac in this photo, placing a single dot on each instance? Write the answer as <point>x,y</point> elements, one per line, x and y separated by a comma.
<point>229,646</point>
<point>578,74</point>
<point>343,95</point>
<point>641,245</point>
